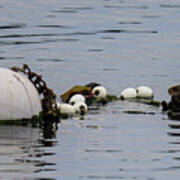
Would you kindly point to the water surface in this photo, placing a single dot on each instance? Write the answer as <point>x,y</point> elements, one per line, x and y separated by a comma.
<point>117,43</point>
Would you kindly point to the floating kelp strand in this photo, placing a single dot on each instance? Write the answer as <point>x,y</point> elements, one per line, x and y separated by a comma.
<point>148,101</point>
<point>111,97</point>
<point>138,112</point>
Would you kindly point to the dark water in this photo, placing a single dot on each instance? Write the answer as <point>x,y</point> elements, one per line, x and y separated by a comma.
<point>117,43</point>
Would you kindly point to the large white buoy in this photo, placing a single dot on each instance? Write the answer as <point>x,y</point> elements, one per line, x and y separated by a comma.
<point>19,98</point>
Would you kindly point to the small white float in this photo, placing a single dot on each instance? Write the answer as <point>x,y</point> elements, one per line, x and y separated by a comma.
<point>70,110</point>
<point>76,98</point>
<point>81,108</point>
<point>66,109</point>
<point>19,97</point>
<point>144,92</point>
<point>128,93</point>
<point>99,92</point>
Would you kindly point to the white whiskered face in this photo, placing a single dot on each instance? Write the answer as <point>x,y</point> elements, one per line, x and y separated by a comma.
<point>76,98</point>
<point>99,92</point>
<point>81,108</point>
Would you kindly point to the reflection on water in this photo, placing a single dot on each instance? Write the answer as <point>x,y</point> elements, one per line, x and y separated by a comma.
<point>22,148</point>
<point>117,43</point>
<point>13,26</point>
<point>170,6</point>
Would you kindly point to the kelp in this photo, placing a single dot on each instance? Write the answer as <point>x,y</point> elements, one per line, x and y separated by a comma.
<point>138,112</point>
<point>35,121</point>
<point>152,102</point>
<point>111,98</point>
<point>148,102</point>
<point>84,90</point>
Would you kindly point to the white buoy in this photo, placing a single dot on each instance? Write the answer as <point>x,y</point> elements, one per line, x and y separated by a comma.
<point>144,92</point>
<point>70,110</point>
<point>128,93</point>
<point>66,109</point>
<point>76,98</point>
<point>99,92</point>
<point>81,108</point>
<point>19,97</point>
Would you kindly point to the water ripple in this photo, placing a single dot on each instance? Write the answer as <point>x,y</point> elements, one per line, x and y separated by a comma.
<point>109,69</point>
<point>79,33</point>
<point>95,50</point>
<point>170,151</point>
<point>174,143</point>
<point>102,177</point>
<point>128,31</point>
<point>29,35</point>
<point>151,16</point>
<point>129,22</point>
<point>79,8</point>
<point>64,11</point>
<point>112,31</point>
<point>19,42</point>
<point>54,26</point>
<point>35,42</point>
<point>106,150</point>
<point>170,6</point>
<point>127,6</point>
<point>50,60</point>
<point>13,26</point>
<point>167,169</point>
<point>71,9</point>
<point>5,58</point>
